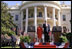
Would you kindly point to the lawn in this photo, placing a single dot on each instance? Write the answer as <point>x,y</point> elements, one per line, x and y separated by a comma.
<point>10,47</point>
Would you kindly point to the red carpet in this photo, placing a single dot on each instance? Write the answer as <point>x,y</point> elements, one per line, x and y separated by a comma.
<point>45,46</point>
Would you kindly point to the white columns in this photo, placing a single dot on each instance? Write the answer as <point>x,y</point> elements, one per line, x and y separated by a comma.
<point>59,21</point>
<point>45,13</point>
<point>26,24</point>
<point>35,20</point>
<point>21,20</point>
<point>54,21</point>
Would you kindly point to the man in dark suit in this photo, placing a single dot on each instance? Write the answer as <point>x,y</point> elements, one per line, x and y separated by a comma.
<point>46,31</point>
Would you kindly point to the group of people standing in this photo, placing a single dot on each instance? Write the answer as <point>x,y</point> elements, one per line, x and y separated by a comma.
<point>45,29</point>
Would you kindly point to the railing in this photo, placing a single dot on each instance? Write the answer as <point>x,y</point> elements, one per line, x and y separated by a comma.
<point>40,17</point>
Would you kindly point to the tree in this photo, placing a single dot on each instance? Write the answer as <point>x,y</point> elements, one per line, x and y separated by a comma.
<point>6,19</point>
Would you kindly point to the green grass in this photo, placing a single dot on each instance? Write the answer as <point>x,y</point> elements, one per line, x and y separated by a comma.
<point>10,47</point>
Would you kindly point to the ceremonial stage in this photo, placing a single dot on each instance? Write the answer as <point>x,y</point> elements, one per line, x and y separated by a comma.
<point>44,45</point>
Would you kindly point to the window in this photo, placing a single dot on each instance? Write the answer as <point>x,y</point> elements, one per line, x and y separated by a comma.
<point>48,14</point>
<point>40,14</point>
<point>64,29</point>
<point>16,17</point>
<point>24,17</point>
<point>56,17</point>
<point>64,17</point>
<point>32,15</point>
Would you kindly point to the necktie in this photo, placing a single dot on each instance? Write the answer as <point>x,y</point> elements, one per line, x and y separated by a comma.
<point>47,28</point>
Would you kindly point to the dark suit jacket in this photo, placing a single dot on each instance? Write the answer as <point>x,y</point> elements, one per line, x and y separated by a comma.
<point>45,28</point>
<point>48,28</point>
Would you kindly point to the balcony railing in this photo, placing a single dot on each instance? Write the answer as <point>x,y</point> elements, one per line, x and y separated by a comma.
<point>41,17</point>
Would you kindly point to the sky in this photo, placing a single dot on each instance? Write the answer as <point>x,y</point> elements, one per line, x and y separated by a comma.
<point>19,2</point>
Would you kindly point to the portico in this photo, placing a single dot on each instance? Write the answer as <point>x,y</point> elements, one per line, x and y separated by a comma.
<point>48,14</point>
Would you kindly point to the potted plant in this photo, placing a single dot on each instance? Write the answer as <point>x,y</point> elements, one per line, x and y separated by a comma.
<point>24,41</point>
<point>21,42</point>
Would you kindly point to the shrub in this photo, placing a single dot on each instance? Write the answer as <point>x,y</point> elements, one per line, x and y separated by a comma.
<point>25,39</point>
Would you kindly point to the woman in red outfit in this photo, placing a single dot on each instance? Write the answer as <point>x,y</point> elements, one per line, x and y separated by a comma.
<point>39,33</point>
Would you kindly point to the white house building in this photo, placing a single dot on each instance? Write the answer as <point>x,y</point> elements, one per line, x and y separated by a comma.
<point>32,13</point>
